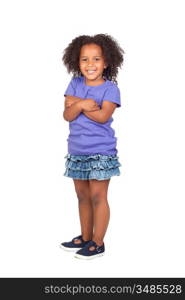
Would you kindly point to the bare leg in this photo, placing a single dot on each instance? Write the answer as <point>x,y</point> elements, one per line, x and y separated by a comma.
<point>101,211</point>
<point>85,208</point>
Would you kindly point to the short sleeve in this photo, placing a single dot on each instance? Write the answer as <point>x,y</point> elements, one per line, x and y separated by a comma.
<point>70,91</point>
<point>112,94</point>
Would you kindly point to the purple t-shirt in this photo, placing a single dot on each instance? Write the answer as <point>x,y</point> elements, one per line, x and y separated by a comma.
<point>86,136</point>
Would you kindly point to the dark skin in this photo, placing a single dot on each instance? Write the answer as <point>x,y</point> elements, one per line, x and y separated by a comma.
<point>93,209</point>
<point>90,108</point>
<point>92,194</point>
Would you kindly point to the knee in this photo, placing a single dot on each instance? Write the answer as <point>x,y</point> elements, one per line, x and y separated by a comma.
<point>98,198</point>
<point>82,196</point>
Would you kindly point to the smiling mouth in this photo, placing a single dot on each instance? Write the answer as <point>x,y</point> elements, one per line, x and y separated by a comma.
<point>90,71</point>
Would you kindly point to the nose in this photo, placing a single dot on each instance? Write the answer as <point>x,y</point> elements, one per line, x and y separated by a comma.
<point>90,64</point>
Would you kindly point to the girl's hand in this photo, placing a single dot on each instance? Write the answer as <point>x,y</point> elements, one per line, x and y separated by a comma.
<point>89,105</point>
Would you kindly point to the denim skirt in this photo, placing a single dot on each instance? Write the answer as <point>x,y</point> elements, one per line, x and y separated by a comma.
<point>96,166</point>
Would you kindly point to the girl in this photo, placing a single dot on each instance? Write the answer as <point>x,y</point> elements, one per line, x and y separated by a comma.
<point>90,100</point>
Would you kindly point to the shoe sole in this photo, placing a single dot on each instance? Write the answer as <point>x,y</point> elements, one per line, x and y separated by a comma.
<point>88,257</point>
<point>69,249</point>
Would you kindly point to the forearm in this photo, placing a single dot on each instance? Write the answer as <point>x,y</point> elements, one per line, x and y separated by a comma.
<point>97,115</point>
<point>73,99</point>
<point>72,112</point>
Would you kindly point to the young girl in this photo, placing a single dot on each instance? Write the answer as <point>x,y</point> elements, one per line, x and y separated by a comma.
<point>90,100</point>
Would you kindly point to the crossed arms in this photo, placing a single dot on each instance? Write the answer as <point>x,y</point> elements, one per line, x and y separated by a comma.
<point>74,106</point>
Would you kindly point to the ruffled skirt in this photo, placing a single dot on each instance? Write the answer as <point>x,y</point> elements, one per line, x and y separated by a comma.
<point>98,166</point>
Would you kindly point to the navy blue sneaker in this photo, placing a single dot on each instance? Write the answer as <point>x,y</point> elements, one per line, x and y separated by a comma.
<point>86,253</point>
<point>72,246</point>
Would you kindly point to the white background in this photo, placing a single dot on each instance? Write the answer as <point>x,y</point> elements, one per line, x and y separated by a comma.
<point>38,205</point>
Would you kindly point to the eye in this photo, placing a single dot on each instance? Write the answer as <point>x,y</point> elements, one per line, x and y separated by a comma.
<point>97,59</point>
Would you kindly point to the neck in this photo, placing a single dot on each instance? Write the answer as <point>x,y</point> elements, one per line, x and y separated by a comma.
<point>94,82</point>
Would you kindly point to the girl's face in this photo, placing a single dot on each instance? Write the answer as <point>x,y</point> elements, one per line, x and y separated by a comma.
<point>92,63</point>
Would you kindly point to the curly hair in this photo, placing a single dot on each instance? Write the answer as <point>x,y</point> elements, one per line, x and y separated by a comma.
<point>112,52</point>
